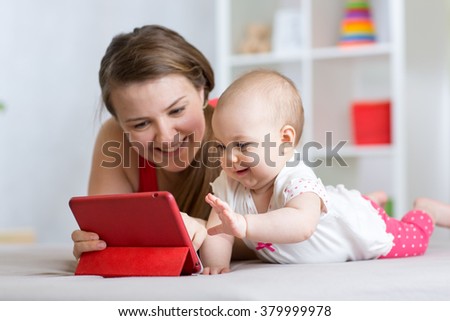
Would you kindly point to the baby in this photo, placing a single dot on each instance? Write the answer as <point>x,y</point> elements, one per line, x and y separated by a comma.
<point>269,198</point>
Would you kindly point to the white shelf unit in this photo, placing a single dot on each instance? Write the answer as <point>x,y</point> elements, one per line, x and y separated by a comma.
<point>329,78</point>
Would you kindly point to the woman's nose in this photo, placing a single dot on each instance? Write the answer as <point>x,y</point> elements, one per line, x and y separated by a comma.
<point>165,133</point>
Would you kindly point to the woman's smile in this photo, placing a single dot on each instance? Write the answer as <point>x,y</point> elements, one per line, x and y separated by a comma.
<point>171,147</point>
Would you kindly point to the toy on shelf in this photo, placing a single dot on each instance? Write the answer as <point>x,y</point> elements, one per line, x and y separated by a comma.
<point>357,27</point>
<point>371,122</point>
<point>257,39</point>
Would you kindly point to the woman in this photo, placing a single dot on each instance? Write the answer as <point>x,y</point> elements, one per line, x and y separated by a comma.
<point>156,87</point>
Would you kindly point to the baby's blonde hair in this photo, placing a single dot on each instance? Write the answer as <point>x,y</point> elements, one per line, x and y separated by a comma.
<point>279,93</point>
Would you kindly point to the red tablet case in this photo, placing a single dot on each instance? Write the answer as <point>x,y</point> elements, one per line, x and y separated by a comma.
<point>144,232</point>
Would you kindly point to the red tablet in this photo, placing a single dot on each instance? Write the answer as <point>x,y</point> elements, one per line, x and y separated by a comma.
<point>145,234</point>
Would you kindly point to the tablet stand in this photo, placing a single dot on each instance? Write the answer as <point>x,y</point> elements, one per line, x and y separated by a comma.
<point>133,261</point>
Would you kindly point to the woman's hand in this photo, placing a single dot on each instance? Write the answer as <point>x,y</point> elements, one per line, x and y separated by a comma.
<point>86,242</point>
<point>196,229</point>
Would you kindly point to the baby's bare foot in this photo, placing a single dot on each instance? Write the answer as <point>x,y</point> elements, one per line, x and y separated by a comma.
<point>439,212</point>
<point>379,197</point>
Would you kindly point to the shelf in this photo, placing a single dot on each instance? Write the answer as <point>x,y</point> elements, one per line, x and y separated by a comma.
<point>240,60</point>
<point>378,49</point>
<point>353,151</point>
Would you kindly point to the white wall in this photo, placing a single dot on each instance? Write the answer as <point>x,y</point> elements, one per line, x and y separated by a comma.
<point>428,101</point>
<point>50,51</point>
<point>427,97</point>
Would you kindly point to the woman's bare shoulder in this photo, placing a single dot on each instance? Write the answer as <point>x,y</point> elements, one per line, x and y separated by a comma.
<point>114,164</point>
<point>110,129</point>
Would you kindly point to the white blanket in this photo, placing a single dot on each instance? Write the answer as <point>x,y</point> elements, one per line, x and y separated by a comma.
<point>44,272</point>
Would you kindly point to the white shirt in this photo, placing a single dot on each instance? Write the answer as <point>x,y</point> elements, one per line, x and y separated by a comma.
<point>349,227</point>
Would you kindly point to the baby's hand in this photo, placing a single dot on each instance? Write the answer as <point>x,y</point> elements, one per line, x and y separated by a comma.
<point>215,270</point>
<point>232,223</point>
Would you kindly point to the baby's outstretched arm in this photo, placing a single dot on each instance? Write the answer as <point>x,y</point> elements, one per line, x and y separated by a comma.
<point>293,223</point>
<point>216,250</point>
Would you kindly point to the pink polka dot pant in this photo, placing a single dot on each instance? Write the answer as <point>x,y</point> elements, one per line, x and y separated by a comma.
<point>411,233</point>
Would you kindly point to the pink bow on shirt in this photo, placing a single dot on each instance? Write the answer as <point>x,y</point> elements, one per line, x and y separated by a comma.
<point>262,245</point>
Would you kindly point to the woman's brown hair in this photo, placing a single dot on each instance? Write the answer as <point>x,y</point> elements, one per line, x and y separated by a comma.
<point>152,52</point>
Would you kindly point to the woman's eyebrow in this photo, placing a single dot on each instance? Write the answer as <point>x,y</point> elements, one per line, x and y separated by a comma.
<point>167,108</point>
<point>174,103</point>
<point>135,119</point>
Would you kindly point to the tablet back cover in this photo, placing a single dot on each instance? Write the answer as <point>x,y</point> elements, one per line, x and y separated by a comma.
<point>150,219</point>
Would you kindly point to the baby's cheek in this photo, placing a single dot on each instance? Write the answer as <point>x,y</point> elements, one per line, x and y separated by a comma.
<point>252,157</point>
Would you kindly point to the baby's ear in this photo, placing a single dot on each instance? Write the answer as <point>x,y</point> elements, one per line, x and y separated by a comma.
<point>288,134</point>
<point>287,139</point>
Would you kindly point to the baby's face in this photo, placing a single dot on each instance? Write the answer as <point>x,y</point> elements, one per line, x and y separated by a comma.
<point>249,141</point>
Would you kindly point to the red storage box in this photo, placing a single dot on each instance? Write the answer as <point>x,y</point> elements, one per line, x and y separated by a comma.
<point>371,122</point>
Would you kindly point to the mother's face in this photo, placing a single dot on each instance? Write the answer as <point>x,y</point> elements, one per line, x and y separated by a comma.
<point>164,119</point>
